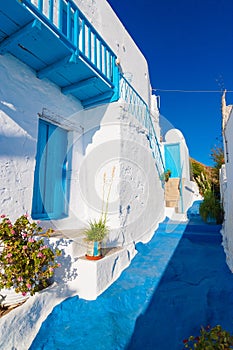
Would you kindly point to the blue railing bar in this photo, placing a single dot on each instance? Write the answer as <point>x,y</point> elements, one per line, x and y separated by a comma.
<point>95,50</point>
<point>89,44</point>
<point>69,21</point>
<point>76,28</point>
<point>136,95</point>
<point>50,25</point>
<point>109,65</point>
<point>60,14</point>
<point>156,140</point>
<point>74,7</point>
<point>105,61</point>
<point>96,69</point>
<point>40,5</point>
<point>81,15</point>
<point>86,26</point>
<point>100,55</point>
<point>51,10</point>
<point>83,37</point>
<point>113,62</point>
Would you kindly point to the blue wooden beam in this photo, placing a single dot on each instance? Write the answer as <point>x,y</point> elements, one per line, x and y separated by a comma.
<point>15,37</point>
<point>45,72</point>
<point>80,85</point>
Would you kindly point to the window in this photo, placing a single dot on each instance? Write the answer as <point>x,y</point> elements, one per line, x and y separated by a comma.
<point>50,183</point>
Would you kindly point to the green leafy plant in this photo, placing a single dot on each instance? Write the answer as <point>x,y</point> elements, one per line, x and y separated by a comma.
<point>167,175</point>
<point>26,263</point>
<point>98,229</point>
<point>204,183</point>
<point>210,339</point>
<point>211,208</point>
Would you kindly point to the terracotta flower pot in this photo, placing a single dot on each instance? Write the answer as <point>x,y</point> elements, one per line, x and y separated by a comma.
<point>94,251</point>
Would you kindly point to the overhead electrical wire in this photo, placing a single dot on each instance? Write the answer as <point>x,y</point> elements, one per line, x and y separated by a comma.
<point>201,91</point>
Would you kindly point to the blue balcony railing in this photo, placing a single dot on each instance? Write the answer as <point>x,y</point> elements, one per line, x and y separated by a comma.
<point>68,23</point>
<point>139,109</point>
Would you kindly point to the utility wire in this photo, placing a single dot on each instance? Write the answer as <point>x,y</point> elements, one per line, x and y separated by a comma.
<point>164,90</point>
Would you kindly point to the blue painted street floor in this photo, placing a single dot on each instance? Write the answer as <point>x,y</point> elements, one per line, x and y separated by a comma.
<point>176,283</point>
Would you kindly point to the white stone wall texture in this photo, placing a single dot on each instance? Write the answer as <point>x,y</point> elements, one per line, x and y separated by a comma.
<point>227,190</point>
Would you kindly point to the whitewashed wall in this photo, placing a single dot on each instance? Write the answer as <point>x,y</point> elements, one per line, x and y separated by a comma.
<point>99,149</point>
<point>227,189</point>
<point>109,137</point>
<point>22,97</point>
<point>114,138</point>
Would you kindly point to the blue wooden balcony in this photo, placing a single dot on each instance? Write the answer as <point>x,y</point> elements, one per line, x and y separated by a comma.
<point>59,43</point>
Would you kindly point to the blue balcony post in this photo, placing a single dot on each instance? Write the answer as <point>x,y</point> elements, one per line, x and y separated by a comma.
<point>100,57</point>
<point>51,10</point>
<point>40,5</point>
<point>60,14</point>
<point>95,50</point>
<point>109,65</point>
<point>89,43</point>
<point>76,29</point>
<point>105,60</point>
<point>83,37</point>
<point>115,79</point>
<point>68,20</point>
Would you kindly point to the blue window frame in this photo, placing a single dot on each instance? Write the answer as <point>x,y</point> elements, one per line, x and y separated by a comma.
<point>50,189</point>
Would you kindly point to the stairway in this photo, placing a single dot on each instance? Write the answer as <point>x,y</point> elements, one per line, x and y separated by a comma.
<point>172,193</point>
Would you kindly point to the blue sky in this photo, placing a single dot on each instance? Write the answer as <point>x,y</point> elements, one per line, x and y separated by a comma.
<point>188,46</point>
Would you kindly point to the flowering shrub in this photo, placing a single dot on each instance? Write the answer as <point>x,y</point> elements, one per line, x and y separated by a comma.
<point>26,263</point>
<point>210,338</point>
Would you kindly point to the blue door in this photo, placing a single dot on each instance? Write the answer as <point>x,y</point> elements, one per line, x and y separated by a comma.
<point>50,192</point>
<point>172,159</point>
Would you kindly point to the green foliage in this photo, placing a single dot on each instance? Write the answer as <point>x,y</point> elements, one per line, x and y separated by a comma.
<point>211,208</point>
<point>210,339</point>
<point>26,263</point>
<point>217,155</point>
<point>202,176</point>
<point>96,231</point>
<point>207,178</point>
<point>197,169</point>
<point>204,183</point>
<point>167,175</point>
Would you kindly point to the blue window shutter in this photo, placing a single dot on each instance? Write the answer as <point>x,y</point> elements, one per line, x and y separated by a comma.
<point>50,191</point>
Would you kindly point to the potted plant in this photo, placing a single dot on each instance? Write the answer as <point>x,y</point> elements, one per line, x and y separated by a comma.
<point>211,209</point>
<point>26,262</point>
<point>167,175</point>
<point>97,229</point>
<point>210,338</point>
